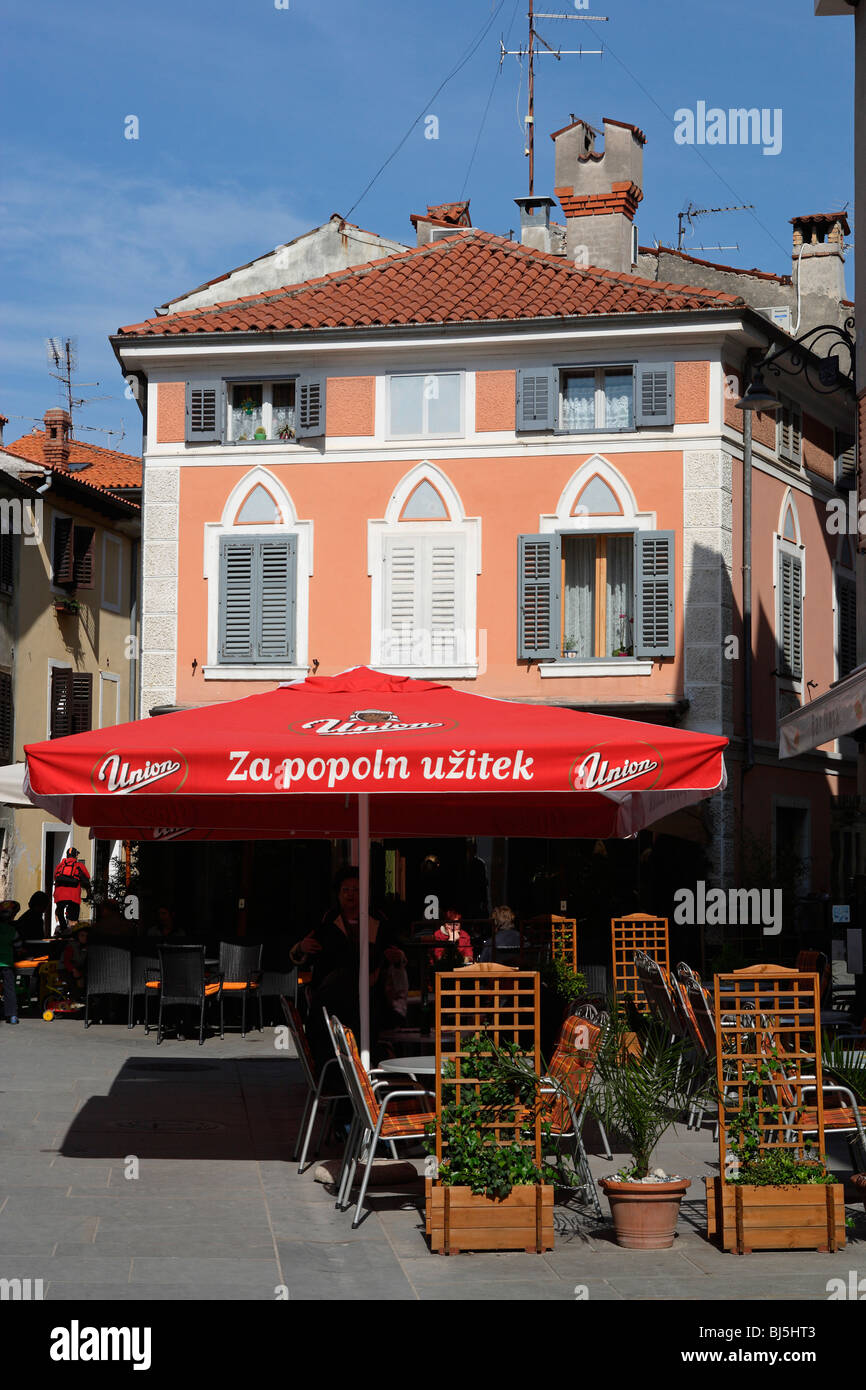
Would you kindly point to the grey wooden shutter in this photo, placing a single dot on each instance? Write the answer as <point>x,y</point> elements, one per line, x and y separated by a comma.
<point>537,399</point>
<point>5,717</point>
<point>276,564</point>
<point>309,406</point>
<point>83,546</point>
<point>61,702</point>
<point>846,599</point>
<point>846,460</point>
<point>82,702</point>
<point>205,412</point>
<point>62,562</point>
<point>790,615</point>
<point>654,394</point>
<point>237,599</point>
<point>539,598</point>
<point>655,590</point>
<point>790,432</point>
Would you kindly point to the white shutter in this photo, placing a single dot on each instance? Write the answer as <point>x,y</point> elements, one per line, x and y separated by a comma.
<point>442,590</point>
<point>401,600</point>
<point>424,580</point>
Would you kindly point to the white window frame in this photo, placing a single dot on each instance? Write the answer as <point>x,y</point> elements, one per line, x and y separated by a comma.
<point>108,678</point>
<point>267,384</point>
<point>796,549</point>
<point>392,526</point>
<point>107,542</point>
<point>600,426</point>
<point>565,524</point>
<point>289,526</point>
<point>459,433</point>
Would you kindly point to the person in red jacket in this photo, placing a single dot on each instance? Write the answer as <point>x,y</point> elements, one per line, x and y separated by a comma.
<point>69,878</point>
<point>451,933</point>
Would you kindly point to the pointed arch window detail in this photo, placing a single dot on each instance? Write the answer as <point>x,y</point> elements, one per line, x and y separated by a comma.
<point>258,509</point>
<point>424,503</point>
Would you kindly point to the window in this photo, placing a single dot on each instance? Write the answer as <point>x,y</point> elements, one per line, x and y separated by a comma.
<point>424,609</point>
<point>71,702</point>
<point>7,562</point>
<point>845,449</point>
<point>789,628</point>
<point>257,588</point>
<point>425,405</point>
<point>112,564</point>
<point>846,608</point>
<point>73,548</point>
<point>589,597</point>
<point>6,719</point>
<point>789,432</point>
<point>581,400</point>
<point>262,410</point>
<point>602,399</point>
<point>246,411</point>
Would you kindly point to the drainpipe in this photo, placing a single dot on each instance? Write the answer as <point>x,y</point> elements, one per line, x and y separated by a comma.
<point>748,737</point>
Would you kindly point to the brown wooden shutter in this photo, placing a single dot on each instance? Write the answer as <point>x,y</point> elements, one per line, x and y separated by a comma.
<point>5,717</point>
<point>62,559</point>
<point>7,560</point>
<point>82,703</point>
<point>61,702</point>
<point>83,545</point>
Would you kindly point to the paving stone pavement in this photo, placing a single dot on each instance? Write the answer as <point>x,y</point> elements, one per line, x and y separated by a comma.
<point>129,1172</point>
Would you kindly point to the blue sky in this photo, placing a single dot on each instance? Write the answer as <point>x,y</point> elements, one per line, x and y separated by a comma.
<point>256,123</point>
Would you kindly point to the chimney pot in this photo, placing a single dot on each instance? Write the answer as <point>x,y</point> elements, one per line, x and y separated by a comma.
<point>58,426</point>
<point>535,222</point>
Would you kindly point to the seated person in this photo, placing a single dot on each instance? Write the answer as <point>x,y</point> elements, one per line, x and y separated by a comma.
<point>505,937</point>
<point>164,929</point>
<point>32,922</point>
<point>73,962</point>
<point>451,933</point>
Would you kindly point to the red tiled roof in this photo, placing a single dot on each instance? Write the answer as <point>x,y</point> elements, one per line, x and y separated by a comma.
<point>108,471</point>
<point>828,218</point>
<point>468,277</point>
<point>713,265</point>
<point>444,215</point>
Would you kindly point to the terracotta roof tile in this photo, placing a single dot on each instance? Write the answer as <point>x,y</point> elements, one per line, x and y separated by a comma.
<point>108,470</point>
<point>447,281</point>
<point>712,265</point>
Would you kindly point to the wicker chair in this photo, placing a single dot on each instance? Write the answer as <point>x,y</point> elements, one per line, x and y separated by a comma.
<point>145,967</point>
<point>241,973</point>
<point>109,971</point>
<point>182,981</point>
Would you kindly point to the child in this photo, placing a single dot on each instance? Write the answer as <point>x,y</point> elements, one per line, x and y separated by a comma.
<point>451,933</point>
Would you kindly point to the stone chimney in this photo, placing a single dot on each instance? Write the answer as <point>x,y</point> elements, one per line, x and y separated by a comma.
<point>58,424</point>
<point>599,192</point>
<point>4,420</point>
<point>818,267</point>
<point>440,220</point>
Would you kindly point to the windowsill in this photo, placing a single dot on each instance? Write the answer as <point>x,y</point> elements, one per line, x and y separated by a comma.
<point>466,672</point>
<point>599,666</point>
<point>255,673</point>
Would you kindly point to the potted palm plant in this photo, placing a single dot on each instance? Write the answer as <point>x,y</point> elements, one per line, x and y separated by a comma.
<point>643,1086</point>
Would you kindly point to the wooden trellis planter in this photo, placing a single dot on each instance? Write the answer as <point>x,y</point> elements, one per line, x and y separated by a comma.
<point>769,1016</point>
<point>638,932</point>
<point>503,1004</point>
<point>562,934</point>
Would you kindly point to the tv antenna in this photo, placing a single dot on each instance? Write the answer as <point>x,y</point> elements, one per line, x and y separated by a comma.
<point>62,354</point>
<point>691,212</point>
<point>531,52</point>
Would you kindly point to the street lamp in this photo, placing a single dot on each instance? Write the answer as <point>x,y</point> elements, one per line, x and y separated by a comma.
<point>824,374</point>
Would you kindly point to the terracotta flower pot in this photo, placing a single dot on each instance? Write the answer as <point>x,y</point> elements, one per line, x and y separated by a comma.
<point>645,1214</point>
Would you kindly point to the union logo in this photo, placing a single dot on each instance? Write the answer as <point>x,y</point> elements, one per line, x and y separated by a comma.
<point>369,721</point>
<point>593,771</point>
<point>117,772</point>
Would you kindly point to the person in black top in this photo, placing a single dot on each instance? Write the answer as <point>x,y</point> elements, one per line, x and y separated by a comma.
<point>332,953</point>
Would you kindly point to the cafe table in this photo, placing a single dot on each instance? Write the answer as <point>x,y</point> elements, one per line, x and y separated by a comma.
<point>410,1066</point>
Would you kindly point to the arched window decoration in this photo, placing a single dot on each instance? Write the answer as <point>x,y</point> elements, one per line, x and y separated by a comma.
<point>597,499</point>
<point>789,531</point>
<point>790,591</point>
<point>424,504</point>
<point>258,509</point>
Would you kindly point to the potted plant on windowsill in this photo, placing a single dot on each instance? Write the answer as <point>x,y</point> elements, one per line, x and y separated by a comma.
<point>67,607</point>
<point>488,1194</point>
<point>626,641</point>
<point>569,648</point>
<point>641,1091</point>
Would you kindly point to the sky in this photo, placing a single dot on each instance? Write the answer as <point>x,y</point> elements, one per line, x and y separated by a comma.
<point>258,119</point>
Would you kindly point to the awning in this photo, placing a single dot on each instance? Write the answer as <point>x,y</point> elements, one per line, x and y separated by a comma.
<point>841,711</point>
<point>12,785</point>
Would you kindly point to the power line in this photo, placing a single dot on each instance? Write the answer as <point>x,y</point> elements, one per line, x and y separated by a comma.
<point>453,73</point>
<point>489,100</point>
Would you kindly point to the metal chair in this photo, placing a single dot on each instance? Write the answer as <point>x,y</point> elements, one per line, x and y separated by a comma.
<point>563,1102</point>
<point>241,973</point>
<point>109,971</point>
<point>182,981</point>
<point>316,1091</point>
<point>373,1122</point>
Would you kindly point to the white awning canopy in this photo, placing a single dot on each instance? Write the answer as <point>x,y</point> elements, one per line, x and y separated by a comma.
<point>839,712</point>
<point>12,785</point>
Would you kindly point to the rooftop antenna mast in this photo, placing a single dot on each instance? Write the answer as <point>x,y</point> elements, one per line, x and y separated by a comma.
<point>690,212</point>
<point>531,52</point>
<point>62,354</point>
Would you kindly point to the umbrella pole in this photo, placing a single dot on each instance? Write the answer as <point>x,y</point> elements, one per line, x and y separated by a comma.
<point>364,921</point>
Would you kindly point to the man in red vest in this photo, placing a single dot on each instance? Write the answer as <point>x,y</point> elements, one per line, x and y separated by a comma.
<point>69,877</point>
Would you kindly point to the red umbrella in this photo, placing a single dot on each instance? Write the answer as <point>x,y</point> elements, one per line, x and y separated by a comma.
<point>421,758</point>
